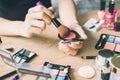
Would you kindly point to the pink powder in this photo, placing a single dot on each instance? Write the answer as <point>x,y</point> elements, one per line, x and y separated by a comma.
<point>71,36</point>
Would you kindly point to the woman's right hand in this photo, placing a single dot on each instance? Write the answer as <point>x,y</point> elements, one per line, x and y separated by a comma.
<point>36,20</point>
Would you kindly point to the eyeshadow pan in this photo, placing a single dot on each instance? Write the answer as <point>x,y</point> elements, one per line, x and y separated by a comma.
<point>117,49</point>
<point>62,73</point>
<point>117,40</point>
<point>71,36</point>
<point>111,39</point>
<point>55,71</point>
<point>60,78</point>
<point>110,46</point>
<point>46,69</point>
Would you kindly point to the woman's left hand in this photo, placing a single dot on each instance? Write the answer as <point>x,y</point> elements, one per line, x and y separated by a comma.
<point>72,48</point>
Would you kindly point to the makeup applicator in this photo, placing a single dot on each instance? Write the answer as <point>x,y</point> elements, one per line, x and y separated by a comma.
<point>62,29</point>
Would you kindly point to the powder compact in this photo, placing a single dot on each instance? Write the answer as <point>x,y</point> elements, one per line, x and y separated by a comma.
<point>72,37</point>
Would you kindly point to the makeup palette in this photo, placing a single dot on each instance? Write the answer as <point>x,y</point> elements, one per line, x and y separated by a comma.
<point>58,72</point>
<point>23,55</point>
<point>107,41</point>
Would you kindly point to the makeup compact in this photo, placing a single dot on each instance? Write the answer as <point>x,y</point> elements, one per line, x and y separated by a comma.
<point>72,37</point>
<point>32,69</point>
<point>93,25</point>
<point>107,41</point>
<point>58,72</point>
<point>86,72</point>
<point>24,68</point>
<point>23,55</point>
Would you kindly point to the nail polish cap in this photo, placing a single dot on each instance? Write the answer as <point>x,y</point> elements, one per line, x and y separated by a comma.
<point>39,3</point>
<point>102,5</point>
<point>111,6</point>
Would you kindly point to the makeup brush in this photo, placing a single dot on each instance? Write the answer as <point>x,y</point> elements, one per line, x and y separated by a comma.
<point>62,29</point>
<point>88,57</point>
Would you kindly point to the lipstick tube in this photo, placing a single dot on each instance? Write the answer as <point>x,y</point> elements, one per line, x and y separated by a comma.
<point>101,12</point>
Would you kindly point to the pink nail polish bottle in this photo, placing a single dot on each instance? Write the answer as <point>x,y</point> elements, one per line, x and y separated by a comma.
<point>110,16</point>
<point>115,18</point>
<point>101,12</point>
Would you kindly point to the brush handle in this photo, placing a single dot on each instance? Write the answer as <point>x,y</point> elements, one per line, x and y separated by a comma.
<point>56,22</point>
<point>8,75</point>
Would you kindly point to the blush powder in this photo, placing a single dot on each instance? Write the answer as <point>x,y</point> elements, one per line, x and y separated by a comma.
<point>72,35</point>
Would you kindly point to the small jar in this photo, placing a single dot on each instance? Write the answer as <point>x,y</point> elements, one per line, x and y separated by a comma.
<point>103,54</point>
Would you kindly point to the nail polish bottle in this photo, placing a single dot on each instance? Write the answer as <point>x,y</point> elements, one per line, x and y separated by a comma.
<point>110,16</point>
<point>101,12</point>
<point>115,18</point>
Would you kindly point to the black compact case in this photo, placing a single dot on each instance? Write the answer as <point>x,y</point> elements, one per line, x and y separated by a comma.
<point>23,55</point>
<point>107,41</point>
<point>76,38</point>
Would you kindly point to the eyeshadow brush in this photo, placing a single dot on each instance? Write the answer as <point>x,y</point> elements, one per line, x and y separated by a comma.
<point>63,30</point>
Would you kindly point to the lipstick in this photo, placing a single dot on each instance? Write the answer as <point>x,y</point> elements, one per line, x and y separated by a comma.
<point>101,12</point>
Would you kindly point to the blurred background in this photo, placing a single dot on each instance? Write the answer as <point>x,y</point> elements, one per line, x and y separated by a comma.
<point>84,6</point>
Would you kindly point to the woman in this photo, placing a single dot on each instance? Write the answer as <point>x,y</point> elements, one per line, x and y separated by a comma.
<point>24,18</point>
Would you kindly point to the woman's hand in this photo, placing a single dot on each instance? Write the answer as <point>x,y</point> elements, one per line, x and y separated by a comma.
<point>36,20</point>
<point>72,47</point>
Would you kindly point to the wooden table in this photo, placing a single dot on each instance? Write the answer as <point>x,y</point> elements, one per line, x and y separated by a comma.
<point>47,48</point>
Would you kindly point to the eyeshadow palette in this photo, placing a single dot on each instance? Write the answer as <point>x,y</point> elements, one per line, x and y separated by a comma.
<point>23,55</point>
<point>107,41</point>
<point>58,72</point>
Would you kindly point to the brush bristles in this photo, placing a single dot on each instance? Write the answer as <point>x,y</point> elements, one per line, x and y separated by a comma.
<point>63,31</point>
<point>83,57</point>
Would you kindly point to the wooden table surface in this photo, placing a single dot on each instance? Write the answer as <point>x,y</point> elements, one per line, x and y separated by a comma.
<point>46,47</point>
